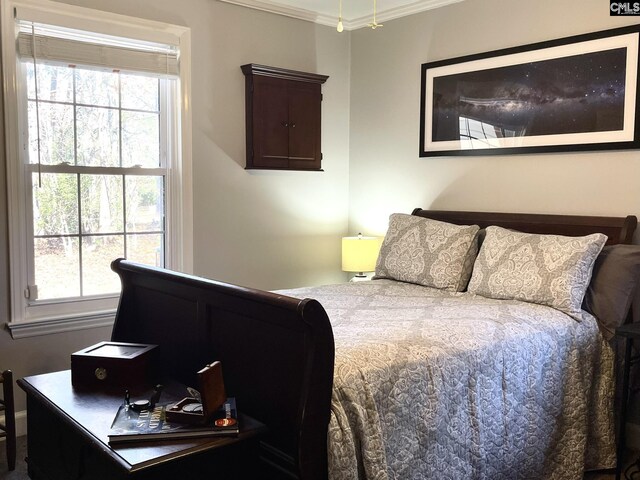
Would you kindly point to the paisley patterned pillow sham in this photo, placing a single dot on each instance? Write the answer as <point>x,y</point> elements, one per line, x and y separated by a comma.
<point>428,252</point>
<point>550,270</point>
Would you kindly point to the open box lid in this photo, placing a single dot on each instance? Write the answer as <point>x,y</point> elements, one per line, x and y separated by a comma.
<point>212,396</point>
<point>212,391</point>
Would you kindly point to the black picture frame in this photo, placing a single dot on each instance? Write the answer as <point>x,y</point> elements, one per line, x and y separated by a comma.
<point>577,93</point>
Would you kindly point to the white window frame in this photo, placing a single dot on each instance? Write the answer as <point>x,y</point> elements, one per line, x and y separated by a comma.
<point>28,319</point>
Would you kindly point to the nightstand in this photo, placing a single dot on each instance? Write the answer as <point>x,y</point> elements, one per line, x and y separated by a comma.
<point>631,335</point>
<point>68,431</point>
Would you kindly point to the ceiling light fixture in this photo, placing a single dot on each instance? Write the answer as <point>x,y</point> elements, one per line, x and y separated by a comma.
<point>340,27</point>
<point>374,24</point>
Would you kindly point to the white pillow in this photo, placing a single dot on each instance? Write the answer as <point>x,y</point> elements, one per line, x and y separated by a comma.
<point>427,252</point>
<point>552,270</point>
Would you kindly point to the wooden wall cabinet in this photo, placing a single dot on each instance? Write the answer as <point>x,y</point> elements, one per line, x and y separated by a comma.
<point>283,117</point>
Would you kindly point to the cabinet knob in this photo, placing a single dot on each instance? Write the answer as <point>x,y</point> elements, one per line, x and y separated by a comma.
<point>293,125</point>
<point>284,124</point>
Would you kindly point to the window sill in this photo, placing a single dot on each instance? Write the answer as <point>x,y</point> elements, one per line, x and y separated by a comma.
<point>49,326</point>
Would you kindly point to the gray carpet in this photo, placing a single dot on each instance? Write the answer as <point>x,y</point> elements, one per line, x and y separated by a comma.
<point>20,473</point>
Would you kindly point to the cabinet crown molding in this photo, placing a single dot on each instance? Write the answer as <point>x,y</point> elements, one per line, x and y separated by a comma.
<point>277,72</point>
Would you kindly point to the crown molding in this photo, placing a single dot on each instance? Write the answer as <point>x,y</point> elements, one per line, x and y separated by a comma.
<point>398,12</point>
<point>273,7</point>
<point>331,20</point>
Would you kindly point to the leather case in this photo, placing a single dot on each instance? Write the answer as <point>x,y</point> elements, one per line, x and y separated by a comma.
<point>213,396</point>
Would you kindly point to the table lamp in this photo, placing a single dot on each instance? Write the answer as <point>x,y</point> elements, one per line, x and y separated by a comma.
<point>359,255</point>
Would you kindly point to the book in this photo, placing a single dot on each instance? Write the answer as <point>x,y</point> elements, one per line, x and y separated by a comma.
<point>147,425</point>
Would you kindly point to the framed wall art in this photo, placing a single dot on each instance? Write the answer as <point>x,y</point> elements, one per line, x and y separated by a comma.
<point>572,94</point>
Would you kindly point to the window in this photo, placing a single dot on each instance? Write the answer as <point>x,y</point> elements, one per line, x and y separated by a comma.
<point>479,134</point>
<point>97,189</point>
<point>95,165</point>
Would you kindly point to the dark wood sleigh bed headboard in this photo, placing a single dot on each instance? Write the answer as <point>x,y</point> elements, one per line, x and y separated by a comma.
<point>277,352</point>
<point>617,229</point>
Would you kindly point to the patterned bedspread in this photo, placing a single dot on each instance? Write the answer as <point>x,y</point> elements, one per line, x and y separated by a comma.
<point>431,384</point>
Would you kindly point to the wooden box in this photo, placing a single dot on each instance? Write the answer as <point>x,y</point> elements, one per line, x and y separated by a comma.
<point>212,396</point>
<point>113,364</point>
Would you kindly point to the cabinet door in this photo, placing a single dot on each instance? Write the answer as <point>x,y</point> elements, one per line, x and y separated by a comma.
<point>270,123</point>
<point>304,125</point>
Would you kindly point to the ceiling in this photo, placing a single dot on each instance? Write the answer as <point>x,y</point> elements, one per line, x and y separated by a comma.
<point>355,13</point>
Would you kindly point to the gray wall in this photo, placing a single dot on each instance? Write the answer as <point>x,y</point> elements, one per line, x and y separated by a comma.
<point>386,173</point>
<point>282,229</point>
<point>257,228</point>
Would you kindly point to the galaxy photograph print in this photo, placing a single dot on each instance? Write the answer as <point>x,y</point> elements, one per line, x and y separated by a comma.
<point>577,93</point>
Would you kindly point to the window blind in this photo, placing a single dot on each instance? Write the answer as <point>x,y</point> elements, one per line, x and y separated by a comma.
<point>74,47</point>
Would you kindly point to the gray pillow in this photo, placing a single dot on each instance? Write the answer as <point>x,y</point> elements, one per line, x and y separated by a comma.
<point>552,270</point>
<point>613,286</point>
<point>427,252</point>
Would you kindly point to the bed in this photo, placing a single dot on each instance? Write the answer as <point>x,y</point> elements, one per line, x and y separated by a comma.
<point>511,388</point>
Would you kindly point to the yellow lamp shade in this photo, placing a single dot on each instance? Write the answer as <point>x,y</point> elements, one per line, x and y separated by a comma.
<point>359,254</point>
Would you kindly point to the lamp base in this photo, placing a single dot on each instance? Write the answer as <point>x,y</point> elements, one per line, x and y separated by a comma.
<point>360,277</point>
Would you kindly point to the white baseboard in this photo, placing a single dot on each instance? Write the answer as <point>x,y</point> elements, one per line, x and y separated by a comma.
<point>21,423</point>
